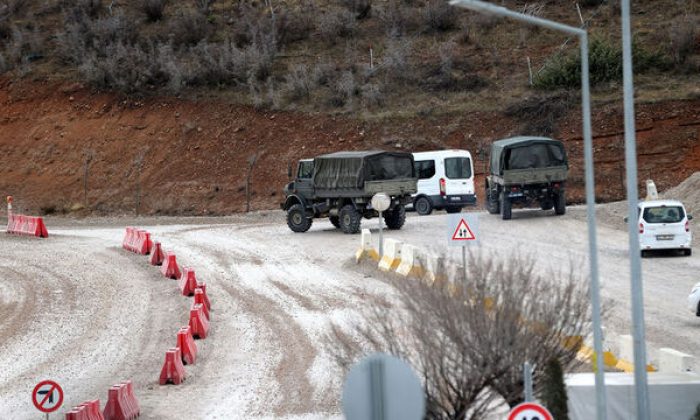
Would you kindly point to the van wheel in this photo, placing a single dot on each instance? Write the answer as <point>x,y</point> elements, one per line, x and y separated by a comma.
<point>506,207</point>
<point>297,220</point>
<point>560,203</point>
<point>395,218</point>
<point>423,206</point>
<point>349,219</point>
<point>492,202</point>
<point>335,221</point>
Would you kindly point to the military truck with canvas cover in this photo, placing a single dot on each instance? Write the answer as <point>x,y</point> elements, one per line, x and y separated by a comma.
<point>340,186</point>
<point>526,171</point>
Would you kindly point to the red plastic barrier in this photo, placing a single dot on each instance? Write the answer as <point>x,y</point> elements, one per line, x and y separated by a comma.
<point>187,346</point>
<point>199,298</point>
<point>187,282</point>
<point>198,322</point>
<point>169,267</point>
<point>131,398</point>
<point>204,297</point>
<point>77,413</point>
<point>157,256</point>
<point>93,410</point>
<point>173,370</point>
<point>135,239</point>
<point>117,407</point>
<point>27,225</point>
<point>143,243</point>
<point>127,237</point>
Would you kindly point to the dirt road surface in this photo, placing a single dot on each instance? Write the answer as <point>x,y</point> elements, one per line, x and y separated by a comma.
<point>78,309</point>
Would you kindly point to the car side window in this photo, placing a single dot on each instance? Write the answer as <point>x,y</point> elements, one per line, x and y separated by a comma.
<point>425,169</point>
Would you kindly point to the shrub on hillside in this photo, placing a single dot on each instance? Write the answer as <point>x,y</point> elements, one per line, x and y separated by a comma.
<point>153,9</point>
<point>439,16</point>
<point>188,28</point>
<point>591,3</point>
<point>605,65</point>
<point>294,25</point>
<point>360,8</point>
<point>204,6</point>
<point>336,24</point>
<point>683,34</point>
<point>91,8</point>
<point>394,60</point>
<point>539,115</point>
<point>397,19</point>
<point>297,84</point>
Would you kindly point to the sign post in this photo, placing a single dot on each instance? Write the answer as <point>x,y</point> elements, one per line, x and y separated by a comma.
<point>463,230</point>
<point>47,397</point>
<point>381,202</point>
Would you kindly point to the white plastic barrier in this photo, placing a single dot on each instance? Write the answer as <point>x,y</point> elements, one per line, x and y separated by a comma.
<point>392,255</point>
<point>366,249</point>
<point>410,262</point>
<point>674,361</point>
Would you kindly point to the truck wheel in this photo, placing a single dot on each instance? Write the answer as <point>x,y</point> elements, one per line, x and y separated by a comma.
<point>506,207</point>
<point>395,218</point>
<point>335,221</point>
<point>297,220</point>
<point>423,206</point>
<point>492,202</point>
<point>546,205</point>
<point>560,204</point>
<point>349,219</point>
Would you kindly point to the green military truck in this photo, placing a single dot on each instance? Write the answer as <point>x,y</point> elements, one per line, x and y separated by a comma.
<point>340,186</point>
<point>526,171</point>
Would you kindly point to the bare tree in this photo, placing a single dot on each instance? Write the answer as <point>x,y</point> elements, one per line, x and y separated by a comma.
<point>468,343</point>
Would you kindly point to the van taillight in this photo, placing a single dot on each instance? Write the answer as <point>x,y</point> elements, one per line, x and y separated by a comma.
<point>687,226</point>
<point>641,228</point>
<point>442,186</point>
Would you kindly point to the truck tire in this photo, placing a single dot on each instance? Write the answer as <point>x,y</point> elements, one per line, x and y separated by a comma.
<point>423,206</point>
<point>506,207</point>
<point>560,203</point>
<point>297,220</point>
<point>349,219</point>
<point>395,218</point>
<point>492,202</point>
<point>546,205</point>
<point>335,221</point>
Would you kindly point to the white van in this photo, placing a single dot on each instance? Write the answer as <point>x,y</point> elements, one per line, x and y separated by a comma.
<point>663,224</point>
<point>445,181</point>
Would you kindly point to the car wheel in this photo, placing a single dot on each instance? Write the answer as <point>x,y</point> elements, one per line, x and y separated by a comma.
<point>335,221</point>
<point>423,206</point>
<point>560,203</point>
<point>349,219</point>
<point>395,218</point>
<point>297,220</point>
<point>506,207</point>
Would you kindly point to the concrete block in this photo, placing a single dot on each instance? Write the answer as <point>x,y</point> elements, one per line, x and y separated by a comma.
<point>674,361</point>
<point>392,255</point>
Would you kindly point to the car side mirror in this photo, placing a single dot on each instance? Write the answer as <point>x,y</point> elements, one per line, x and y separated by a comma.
<point>690,217</point>
<point>626,219</point>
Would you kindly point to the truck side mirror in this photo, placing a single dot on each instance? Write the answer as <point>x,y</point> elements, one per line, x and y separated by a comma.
<point>289,171</point>
<point>690,217</point>
<point>626,219</point>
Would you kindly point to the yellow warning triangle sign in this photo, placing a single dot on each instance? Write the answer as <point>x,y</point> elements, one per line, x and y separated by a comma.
<point>463,232</point>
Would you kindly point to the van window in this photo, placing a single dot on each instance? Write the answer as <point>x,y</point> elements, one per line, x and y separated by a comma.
<point>663,214</point>
<point>458,168</point>
<point>425,169</point>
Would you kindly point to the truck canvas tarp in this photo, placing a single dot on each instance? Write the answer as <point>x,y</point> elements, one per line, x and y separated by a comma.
<point>350,170</point>
<point>527,153</point>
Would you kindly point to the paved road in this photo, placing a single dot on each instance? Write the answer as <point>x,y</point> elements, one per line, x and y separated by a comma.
<point>78,309</point>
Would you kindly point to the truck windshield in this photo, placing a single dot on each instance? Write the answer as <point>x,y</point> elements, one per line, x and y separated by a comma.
<point>458,168</point>
<point>306,169</point>
<point>537,155</point>
<point>663,214</point>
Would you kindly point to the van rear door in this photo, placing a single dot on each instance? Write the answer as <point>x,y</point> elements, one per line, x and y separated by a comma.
<point>459,179</point>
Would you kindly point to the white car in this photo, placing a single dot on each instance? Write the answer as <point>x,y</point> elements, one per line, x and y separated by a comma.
<point>694,299</point>
<point>663,224</point>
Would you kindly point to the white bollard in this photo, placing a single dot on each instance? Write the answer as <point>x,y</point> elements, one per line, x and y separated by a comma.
<point>392,255</point>
<point>674,361</point>
<point>626,347</point>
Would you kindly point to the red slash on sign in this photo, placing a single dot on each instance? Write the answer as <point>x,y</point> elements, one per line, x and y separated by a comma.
<point>47,396</point>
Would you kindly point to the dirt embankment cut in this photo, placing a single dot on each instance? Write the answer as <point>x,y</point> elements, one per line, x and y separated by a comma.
<point>65,148</point>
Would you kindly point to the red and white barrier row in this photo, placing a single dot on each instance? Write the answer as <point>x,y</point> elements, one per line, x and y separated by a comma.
<point>26,225</point>
<point>185,351</point>
<point>121,405</point>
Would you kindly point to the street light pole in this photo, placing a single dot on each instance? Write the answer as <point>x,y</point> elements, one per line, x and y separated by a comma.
<point>480,6</point>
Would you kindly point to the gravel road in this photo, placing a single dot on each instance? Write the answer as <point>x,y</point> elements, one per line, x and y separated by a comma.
<point>78,309</point>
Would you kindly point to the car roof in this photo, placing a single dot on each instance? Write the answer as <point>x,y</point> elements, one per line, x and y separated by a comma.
<point>442,153</point>
<point>660,203</point>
